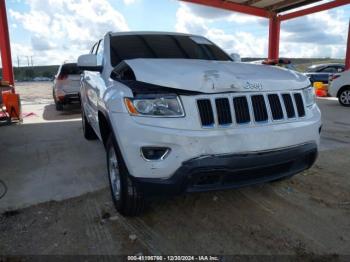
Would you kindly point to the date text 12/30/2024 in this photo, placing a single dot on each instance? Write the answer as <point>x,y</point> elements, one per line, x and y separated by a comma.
<point>173,258</point>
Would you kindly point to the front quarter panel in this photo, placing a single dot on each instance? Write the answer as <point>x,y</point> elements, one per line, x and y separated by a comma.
<point>113,98</point>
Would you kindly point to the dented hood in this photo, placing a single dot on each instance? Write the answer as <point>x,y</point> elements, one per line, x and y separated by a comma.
<point>215,76</point>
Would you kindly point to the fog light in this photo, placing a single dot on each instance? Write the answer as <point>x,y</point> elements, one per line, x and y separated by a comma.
<point>154,153</point>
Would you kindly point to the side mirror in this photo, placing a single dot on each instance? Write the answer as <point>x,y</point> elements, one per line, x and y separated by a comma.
<point>236,57</point>
<point>88,63</point>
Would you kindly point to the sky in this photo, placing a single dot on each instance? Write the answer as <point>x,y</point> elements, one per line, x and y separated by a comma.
<point>53,31</point>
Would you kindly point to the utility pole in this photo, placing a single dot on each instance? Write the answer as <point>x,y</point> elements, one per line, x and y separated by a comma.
<point>18,61</point>
<point>31,60</point>
<point>28,61</point>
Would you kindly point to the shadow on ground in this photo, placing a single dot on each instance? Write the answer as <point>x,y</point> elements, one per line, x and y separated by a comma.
<point>71,111</point>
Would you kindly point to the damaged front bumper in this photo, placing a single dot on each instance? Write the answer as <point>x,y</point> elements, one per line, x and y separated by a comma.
<point>217,172</point>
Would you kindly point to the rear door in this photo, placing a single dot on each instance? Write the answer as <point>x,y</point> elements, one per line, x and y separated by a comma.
<point>91,80</point>
<point>71,74</point>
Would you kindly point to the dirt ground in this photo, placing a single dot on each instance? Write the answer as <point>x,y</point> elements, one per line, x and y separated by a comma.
<point>305,216</point>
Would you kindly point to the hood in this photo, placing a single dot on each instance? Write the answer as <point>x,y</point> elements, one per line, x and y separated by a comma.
<point>215,76</point>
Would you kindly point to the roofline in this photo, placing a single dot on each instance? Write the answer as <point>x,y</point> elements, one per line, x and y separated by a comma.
<point>326,64</point>
<point>148,33</point>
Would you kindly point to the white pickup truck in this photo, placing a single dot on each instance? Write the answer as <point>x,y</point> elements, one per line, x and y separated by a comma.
<point>176,115</point>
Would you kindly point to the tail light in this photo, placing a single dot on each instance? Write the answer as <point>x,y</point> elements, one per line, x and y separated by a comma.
<point>62,77</point>
<point>333,77</point>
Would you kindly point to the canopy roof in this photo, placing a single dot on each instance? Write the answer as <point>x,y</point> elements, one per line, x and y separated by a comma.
<point>269,8</point>
<point>276,6</point>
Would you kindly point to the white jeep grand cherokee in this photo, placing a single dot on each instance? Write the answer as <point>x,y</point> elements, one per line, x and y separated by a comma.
<point>176,114</point>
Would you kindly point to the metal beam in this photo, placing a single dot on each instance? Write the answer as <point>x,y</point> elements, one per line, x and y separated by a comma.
<point>251,2</point>
<point>293,6</point>
<point>289,4</point>
<point>347,57</point>
<point>314,9</point>
<point>250,10</point>
<point>5,48</point>
<point>274,37</point>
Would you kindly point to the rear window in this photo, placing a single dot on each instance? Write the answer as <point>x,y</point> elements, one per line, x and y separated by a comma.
<point>164,46</point>
<point>70,69</point>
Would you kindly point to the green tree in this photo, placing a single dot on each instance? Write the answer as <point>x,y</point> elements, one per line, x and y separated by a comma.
<point>47,74</point>
<point>29,73</point>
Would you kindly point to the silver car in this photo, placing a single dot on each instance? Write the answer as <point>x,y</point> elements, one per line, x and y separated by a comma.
<point>66,88</point>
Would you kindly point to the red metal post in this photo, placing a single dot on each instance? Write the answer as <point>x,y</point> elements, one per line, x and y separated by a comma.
<point>274,37</point>
<point>5,48</point>
<point>347,57</point>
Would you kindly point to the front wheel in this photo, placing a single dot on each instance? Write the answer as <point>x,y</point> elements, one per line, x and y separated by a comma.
<point>125,195</point>
<point>344,97</point>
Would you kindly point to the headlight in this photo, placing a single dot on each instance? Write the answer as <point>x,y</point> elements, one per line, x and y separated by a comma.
<point>309,95</point>
<point>155,106</point>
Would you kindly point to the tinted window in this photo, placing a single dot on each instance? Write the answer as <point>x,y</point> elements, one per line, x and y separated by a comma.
<point>340,69</point>
<point>329,69</point>
<point>93,49</point>
<point>70,69</point>
<point>164,46</point>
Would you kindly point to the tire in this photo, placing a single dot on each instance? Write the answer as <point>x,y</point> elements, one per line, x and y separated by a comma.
<point>58,105</point>
<point>88,131</point>
<point>344,97</point>
<point>125,195</point>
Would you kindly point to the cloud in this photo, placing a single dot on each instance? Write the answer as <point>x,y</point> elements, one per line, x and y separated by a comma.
<point>41,44</point>
<point>129,2</point>
<point>319,35</point>
<point>199,20</point>
<point>66,29</point>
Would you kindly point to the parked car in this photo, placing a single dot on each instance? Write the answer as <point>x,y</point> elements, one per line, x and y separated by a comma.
<point>340,87</point>
<point>281,62</point>
<point>42,79</point>
<point>322,72</point>
<point>177,115</point>
<point>66,86</point>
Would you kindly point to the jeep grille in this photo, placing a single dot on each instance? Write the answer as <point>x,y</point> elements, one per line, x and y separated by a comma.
<point>225,110</point>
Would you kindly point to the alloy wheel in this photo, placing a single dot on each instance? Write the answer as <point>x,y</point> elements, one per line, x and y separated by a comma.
<point>345,97</point>
<point>114,174</point>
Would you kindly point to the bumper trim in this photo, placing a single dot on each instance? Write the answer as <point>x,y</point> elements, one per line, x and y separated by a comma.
<point>218,172</point>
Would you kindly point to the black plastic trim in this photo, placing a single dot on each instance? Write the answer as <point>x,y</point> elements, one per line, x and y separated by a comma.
<point>232,171</point>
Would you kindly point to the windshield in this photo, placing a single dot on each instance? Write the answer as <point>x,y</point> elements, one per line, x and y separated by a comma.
<point>125,47</point>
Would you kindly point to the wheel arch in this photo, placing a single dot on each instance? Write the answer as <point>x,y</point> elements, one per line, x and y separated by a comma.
<point>342,89</point>
<point>104,126</point>
<point>106,130</point>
